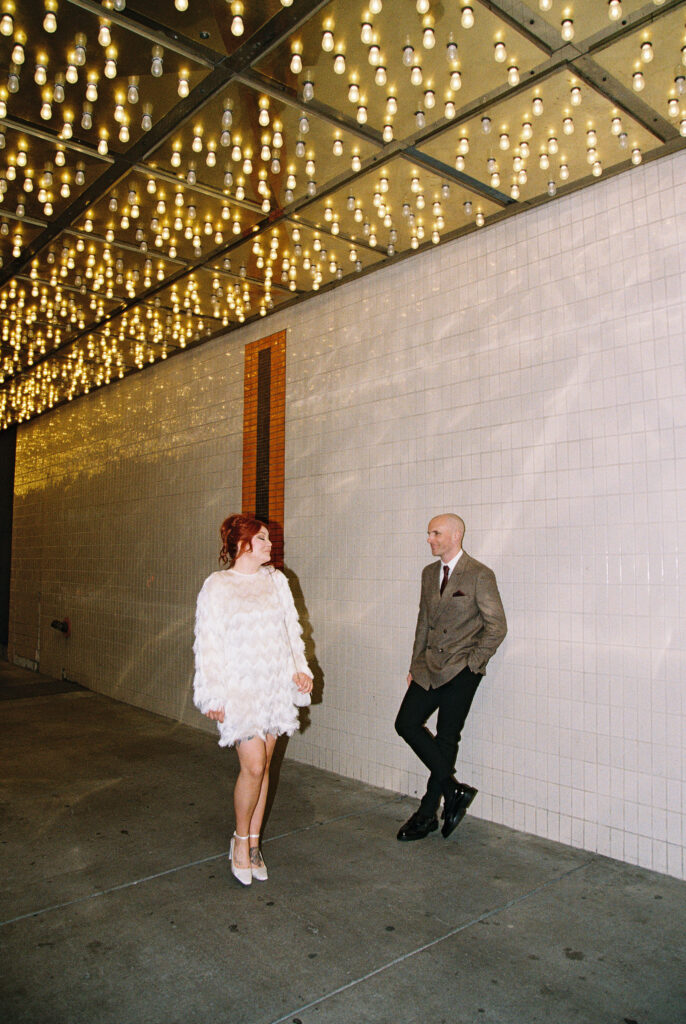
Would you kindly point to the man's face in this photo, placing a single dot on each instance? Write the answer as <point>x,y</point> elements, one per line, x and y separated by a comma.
<point>442,538</point>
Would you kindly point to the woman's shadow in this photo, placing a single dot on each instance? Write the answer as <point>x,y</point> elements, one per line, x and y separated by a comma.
<point>317,680</point>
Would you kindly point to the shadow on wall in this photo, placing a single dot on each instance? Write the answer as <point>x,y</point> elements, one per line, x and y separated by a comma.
<point>310,652</point>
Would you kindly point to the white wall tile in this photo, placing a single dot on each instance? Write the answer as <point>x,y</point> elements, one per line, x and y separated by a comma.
<point>529,376</point>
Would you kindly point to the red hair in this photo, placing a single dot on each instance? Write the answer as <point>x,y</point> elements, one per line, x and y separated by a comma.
<point>237,532</point>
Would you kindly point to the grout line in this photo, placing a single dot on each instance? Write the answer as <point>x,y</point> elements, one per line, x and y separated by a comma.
<point>434,942</point>
<point>190,864</point>
<point>113,888</point>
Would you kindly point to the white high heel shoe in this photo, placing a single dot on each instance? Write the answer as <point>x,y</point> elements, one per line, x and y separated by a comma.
<point>259,872</point>
<point>244,875</point>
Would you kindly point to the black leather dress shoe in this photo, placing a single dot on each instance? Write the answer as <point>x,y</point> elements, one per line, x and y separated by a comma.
<point>455,807</point>
<point>417,827</point>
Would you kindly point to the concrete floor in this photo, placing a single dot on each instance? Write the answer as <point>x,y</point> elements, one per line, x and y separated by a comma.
<point>119,907</point>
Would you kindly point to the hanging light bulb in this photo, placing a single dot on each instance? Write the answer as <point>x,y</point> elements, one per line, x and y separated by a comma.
<point>157,67</point>
<point>183,87</point>
<point>50,19</point>
<point>111,62</point>
<point>339,64</point>
<point>467,19</point>
<point>513,75</point>
<point>638,81</point>
<point>40,76</point>
<point>567,30</point>
<point>568,126</point>
<point>500,52</point>
<point>647,52</point>
<point>451,51</point>
<point>296,63</point>
<point>545,5</point>
<point>673,107</point>
<point>366,33</point>
<point>614,10</point>
<point>79,55</point>
<point>636,156</point>
<point>428,38</point>
<point>308,91</point>
<point>575,96</point>
<point>327,41</point>
<point>380,76</point>
<point>416,76</point>
<point>237,26</point>
<point>449,110</point>
<point>537,106</point>
<point>104,37</point>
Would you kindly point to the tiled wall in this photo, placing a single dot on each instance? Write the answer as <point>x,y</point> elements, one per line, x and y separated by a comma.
<point>530,377</point>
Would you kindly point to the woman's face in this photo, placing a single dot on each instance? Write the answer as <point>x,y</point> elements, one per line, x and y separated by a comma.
<point>262,546</point>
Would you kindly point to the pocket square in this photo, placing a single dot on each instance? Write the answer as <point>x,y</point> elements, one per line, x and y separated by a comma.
<point>459,593</point>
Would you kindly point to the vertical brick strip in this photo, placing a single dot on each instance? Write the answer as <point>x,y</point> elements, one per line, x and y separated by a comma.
<point>264,413</point>
<point>262,470</point>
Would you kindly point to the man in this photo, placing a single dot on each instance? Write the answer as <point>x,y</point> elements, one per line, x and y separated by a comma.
<point>460,625</point>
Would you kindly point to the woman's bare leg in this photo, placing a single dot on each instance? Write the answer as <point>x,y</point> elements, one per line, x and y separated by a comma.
<point>258,814</point>
<point>252,756</point>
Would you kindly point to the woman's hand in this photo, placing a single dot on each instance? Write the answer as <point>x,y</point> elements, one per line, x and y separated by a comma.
<point>215,716</point>
<point>303,682</point>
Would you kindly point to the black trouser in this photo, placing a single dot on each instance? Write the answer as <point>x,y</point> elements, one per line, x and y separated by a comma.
<point>438,752</point>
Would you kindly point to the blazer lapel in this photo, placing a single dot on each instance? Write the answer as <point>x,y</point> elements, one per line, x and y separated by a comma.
<point>455,576</point>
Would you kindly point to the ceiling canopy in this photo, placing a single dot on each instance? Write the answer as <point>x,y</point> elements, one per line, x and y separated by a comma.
<point>173,169</point>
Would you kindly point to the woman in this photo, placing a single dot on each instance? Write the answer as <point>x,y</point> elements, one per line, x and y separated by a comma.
<point>250,673</point>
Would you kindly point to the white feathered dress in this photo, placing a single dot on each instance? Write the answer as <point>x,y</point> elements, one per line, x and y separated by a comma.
<point>244,660</point>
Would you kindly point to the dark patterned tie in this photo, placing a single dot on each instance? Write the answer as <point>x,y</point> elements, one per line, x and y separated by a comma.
<point>446,573</point>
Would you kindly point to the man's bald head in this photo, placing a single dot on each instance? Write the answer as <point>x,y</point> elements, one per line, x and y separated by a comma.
<point>445,533</point>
